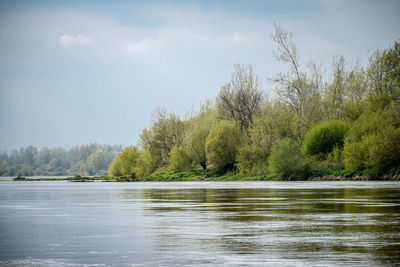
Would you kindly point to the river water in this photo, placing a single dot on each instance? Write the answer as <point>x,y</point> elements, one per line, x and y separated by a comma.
<point>199,223</point>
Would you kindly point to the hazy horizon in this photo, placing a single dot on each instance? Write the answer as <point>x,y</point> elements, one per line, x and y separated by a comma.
<point>80,72</point>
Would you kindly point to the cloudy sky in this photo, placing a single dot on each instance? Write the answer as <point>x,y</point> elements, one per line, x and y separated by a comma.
<point>76,72</point>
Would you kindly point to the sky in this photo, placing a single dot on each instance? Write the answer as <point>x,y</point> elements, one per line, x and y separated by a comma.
<point>78,72</point>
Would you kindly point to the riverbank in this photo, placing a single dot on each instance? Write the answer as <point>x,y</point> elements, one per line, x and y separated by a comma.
<point>197,175</point>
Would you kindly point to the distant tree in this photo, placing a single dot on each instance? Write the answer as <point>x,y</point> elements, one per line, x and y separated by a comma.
<point>100,160</point>
<point>29,154</point>
<point>57,164</point>
<point>44,156</point>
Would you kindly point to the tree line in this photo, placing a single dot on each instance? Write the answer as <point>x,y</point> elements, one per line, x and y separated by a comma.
<point>347,120</point>
<point>91,159</point>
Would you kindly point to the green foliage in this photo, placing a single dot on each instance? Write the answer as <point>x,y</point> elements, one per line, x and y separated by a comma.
<point>222,145</point>
<point>336,158</point>
<point>249,156</point>
<point>383,77</point>
<point>373,140</point>
<point>57,161</point>
<point>383,148</point>
<point>196,146</point>
<point>371,122</point>
<point>376,150</point>
<point>144,164</point>
<point>167,130</point>
<point>100,160</point>
<point>354,155</point>
<point>178,160</point>
<point>286,159</point>
<point>124,163</point>
<point>323,138</point>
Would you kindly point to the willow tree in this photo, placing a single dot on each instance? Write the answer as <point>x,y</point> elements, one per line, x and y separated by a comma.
<point>222,145</point>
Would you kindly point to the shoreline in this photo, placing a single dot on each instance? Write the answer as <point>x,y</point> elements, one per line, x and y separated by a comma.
<point>210,179</point>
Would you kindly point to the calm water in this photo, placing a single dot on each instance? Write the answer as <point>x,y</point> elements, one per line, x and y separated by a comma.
<point>205,223</point>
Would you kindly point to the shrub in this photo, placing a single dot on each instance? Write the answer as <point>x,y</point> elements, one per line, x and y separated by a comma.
<point>323,138</point>
<point>222,145</point>
<point>286,159</point>
<point>374,141</point>
<point>335,158</point>
<point>354,156</point>
<point>249,156</point>
<point>383,148</point>
<point>178,160</point>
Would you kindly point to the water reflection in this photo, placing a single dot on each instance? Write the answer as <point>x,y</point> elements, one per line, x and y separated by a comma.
<point>162,224</point>
<point>359,224</point>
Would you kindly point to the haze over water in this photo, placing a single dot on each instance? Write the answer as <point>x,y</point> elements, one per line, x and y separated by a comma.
<point>202,223</point>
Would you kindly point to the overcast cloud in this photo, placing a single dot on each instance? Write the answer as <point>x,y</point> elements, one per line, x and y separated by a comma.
<point>77,72</point>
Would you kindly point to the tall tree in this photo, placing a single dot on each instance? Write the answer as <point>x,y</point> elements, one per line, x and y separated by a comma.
<point>294,88</point>
<point>241,98</point>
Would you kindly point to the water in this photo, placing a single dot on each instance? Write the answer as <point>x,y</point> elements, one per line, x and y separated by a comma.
<point>201,223</point>
<point>10,178</point>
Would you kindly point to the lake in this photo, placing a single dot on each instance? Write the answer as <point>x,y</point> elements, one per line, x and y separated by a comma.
<point>199,223</point>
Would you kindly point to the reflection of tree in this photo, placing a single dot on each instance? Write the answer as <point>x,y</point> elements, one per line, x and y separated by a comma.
<point>356,223</point>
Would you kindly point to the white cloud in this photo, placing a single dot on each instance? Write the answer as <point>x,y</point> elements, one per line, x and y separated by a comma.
<point>69,40</point>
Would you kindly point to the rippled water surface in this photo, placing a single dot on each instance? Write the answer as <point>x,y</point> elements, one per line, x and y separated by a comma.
<point>202,223</point>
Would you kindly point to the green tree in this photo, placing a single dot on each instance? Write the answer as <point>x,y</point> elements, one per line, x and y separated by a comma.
<point>167,130</point>
<point>100,160</point>
<point>222,145</point>
<point>196,146</point>
<point>144,164</point>
<point>178,160</point>
<point>198,126</point>
<point>383,77</point>
<point>355,93</point>
<point>124,163</point>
